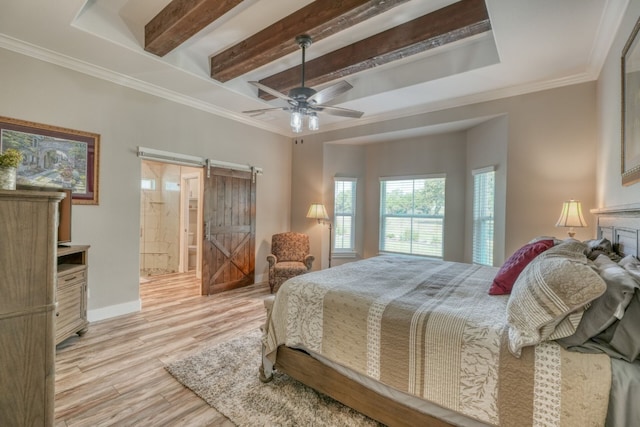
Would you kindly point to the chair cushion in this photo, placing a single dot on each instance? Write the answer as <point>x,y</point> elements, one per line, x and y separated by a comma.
<point>290,268</point>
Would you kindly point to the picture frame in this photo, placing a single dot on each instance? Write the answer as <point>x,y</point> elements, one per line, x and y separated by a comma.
<point>630,66</point>
<point>54,157</point>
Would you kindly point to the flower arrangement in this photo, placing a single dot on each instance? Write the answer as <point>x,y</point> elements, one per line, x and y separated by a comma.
<point>10,158</point>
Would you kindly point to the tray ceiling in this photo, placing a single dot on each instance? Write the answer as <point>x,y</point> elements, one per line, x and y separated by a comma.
<point>403,57</point>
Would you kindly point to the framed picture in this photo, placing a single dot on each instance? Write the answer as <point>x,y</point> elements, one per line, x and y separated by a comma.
<point>631,108</point>
<point>54,157</point>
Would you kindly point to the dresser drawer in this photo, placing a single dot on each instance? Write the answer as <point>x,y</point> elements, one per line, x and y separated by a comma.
<point>71,275</point>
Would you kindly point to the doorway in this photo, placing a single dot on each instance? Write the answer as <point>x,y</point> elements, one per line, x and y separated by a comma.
<point>170,218</point>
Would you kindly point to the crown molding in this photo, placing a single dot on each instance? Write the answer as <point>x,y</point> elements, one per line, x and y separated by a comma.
<point>462,101</point>
<point>102,73</point>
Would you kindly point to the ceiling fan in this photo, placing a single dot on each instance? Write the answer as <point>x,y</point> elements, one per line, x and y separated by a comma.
<point>305,101</point>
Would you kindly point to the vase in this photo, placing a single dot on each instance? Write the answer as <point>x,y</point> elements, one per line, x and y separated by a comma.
<point>7,178</point>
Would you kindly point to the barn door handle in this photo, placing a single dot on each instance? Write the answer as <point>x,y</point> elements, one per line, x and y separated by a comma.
<point>207,232</point>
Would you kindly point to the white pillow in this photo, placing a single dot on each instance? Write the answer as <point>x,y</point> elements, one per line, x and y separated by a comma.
<point>556,284</point>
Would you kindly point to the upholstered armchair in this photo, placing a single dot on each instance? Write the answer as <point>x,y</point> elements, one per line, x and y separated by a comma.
<point>289,257</point>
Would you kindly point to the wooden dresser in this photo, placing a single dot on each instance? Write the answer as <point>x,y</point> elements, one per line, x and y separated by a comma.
<point>71,292</point>
<point>28,264</point>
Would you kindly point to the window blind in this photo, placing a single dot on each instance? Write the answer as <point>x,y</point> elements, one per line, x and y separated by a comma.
<point>344,212</point>
<point>412,215</point>
<point>483,211</point>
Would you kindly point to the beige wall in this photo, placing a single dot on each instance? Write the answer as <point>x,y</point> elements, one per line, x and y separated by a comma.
<point>548,138</point>
<point>308,186</point>
<point>610,191</point>
<point>436,154</point>
<point>487,146</point>
<point>41,92</point>
<point>346,161</point>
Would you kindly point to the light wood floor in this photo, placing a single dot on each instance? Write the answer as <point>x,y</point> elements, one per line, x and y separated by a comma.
<point>114,375</point>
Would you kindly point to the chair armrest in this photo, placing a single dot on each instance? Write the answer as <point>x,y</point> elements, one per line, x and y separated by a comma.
<point>272,259</point>
<point>308,260</point>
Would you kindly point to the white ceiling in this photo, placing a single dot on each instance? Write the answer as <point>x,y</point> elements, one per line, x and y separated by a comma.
<point>533,45</point>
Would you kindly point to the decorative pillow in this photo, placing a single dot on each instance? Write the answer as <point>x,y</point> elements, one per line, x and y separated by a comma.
<point>554,285</point>
<point>632,265</point>
<point>556,241</point>
<point>597,247</point>
<point>567,326</point>
<point>569,248</point>
<point>629,260</point>
<point>603,244</point>
<point>622,339</point>
<point>607,308</point>
<point>511,269</point>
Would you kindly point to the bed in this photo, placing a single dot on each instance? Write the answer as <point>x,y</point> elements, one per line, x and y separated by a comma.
<point>415,341</point>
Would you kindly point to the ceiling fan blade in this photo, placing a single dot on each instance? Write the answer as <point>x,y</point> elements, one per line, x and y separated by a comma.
<point>264,110</point>
<point>271,91</point>
<point>337,111</point>
<point>305,100</point>
<point>329,93</point>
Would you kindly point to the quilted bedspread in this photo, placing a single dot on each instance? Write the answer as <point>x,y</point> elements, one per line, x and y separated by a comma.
<point>429,328</point>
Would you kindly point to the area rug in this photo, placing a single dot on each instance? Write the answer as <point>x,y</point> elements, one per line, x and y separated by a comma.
<point>226,377</point>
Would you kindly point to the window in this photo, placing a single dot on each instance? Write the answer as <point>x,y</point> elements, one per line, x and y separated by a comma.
<point>483,207</point>
<point>412,215</point>
<point>171,186</point>
<point>345,214</point>
<point>148,184</point>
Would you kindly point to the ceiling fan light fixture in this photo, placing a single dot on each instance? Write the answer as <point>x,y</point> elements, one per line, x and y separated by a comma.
<point>296,121</point>
<point>314,123</point>
<point>305,101</point>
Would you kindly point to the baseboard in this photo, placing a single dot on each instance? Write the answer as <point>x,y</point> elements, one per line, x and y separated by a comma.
<point>114,310</point>
<point>135,306</point>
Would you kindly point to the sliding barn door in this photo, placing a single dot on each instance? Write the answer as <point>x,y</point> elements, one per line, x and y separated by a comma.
<point>228,256</point>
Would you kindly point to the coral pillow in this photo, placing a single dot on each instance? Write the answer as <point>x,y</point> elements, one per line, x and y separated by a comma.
<point>511,269</point>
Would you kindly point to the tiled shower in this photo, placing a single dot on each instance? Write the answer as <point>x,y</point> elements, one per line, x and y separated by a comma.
<point>160,210</point>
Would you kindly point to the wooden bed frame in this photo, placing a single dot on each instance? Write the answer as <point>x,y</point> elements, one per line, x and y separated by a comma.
<point>309,371</point>
<point>620,225</point>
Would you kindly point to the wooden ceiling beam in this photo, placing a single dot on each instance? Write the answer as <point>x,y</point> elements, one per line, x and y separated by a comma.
<point>180,20</point>
<point>451,23</point>
<point>318,19</point>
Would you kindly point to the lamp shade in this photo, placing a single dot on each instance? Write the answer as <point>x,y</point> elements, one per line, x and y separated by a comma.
<point>317,211</point>
<point>571,215</point>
